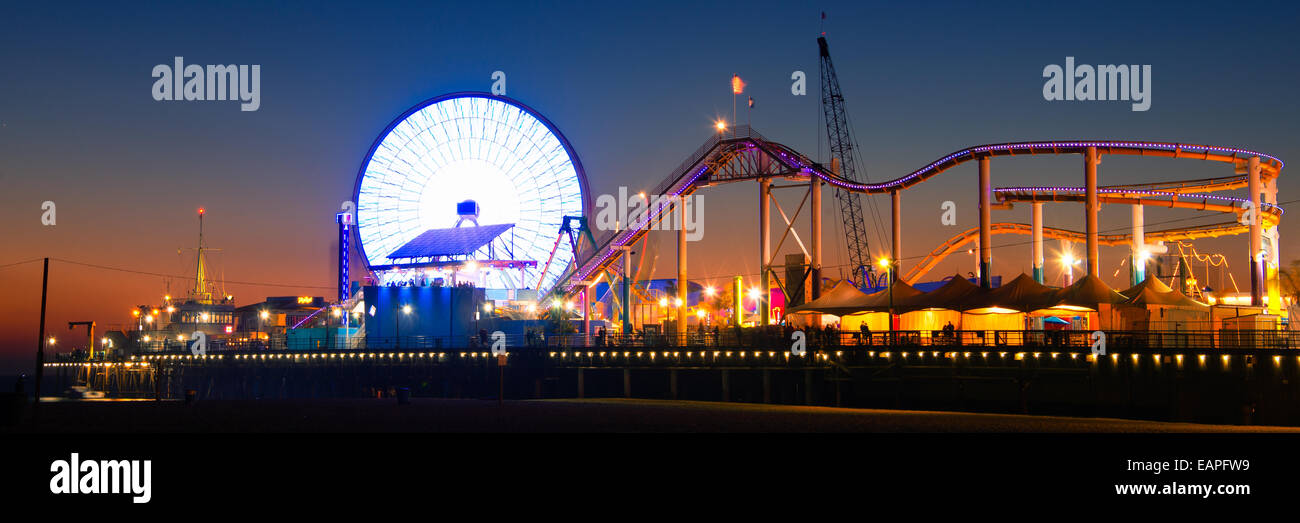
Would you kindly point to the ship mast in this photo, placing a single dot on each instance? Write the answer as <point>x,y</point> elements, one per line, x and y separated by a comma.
<point>200,285</point>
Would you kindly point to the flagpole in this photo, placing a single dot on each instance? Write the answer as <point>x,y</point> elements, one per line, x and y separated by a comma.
<point>733,104</point>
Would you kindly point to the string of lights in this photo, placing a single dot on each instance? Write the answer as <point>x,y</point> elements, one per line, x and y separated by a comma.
<point>164,275</point>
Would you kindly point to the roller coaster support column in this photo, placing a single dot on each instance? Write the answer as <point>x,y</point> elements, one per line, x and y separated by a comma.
<point>586,313</point>
<point>1139,246</point>
<point>896,252</point>
<point>1090,161</point>
<point>1271,276</point>
<point>986,225</point>
<point>1256,232</point>
<point>681,269</point>
<point>765,248</point>
<point>815,186</point>
<point>737,302</point>
<point>1038,241</point>
<point>625,293</point>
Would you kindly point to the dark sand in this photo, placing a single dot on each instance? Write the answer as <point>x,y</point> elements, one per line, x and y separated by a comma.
<point>590,415</point>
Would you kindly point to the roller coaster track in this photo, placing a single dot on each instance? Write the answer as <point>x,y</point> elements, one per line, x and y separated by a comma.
<point>955,244</point>
<point>743,154</point>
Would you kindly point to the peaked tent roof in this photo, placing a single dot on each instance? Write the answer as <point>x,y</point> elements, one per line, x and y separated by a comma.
<point>1151,282</point>
<point>903,299</point>
<point>1088,292</point>
<point>1022,294</point>
<point>954,295</point>
<point>839,301</point>
<point>1150,296</point>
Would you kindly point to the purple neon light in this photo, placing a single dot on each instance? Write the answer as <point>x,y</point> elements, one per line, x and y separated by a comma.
<point>1181,196</point>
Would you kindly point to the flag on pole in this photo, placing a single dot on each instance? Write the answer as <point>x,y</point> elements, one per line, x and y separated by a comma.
<point>751,102</point>
<point>737,85</point>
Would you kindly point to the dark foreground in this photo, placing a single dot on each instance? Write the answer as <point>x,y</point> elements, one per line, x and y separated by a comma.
<point>590,415</point>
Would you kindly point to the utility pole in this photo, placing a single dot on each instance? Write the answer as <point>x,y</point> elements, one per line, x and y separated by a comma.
<point>40,342</point>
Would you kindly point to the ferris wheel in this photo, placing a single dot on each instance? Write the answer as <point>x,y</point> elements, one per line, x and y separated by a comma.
<point>490,149</point>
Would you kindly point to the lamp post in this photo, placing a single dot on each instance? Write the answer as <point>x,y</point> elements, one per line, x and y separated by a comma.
<point>261,324</point>
<point>888,265</point>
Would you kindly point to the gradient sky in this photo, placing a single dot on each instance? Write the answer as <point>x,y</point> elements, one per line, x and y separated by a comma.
<point>634,88</point>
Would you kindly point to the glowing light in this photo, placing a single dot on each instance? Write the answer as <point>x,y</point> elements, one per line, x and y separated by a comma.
<point>754,293</point>
<point>146,339</point>
<point>502,155</point>
<point>406,309</point>
<point>701,313</point>
<point>264,314</point>
<point>135,312</point>
<point>663,302</point>
<point>171,309</point>
<point>51,340</point>
<point>883,262</point>
<point>710,291</point>
<point>677,302</point>
<point>204,317</point>
<point>470,266</point>
<point>720,125</point>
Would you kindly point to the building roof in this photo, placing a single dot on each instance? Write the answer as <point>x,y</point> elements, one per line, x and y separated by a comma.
<point>456,241</point>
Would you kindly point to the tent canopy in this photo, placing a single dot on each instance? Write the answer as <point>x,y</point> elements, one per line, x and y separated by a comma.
<point>955,294</point>
<point>1022,294</point>
<point>840,300</point>
<point>1149,296</point>
<point>904,299</point>
<point>1088,292</point>
<point>1151,282</point>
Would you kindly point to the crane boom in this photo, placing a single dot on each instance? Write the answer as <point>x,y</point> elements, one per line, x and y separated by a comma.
<point>841,148</point>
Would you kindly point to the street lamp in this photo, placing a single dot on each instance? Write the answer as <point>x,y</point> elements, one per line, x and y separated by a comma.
<point>1069,262</point>
<point>888,265</point>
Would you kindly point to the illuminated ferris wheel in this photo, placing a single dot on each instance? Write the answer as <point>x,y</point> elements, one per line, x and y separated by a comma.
<point>472,146</point>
